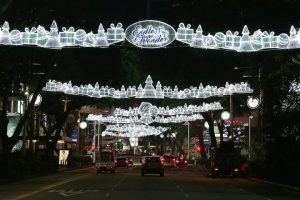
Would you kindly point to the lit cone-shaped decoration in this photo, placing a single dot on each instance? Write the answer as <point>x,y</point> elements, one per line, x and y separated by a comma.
<point>198,40</point>
<point>139,92</point>
<point>293,40</point>
<point>96,92</point>
<point>246,45</point>
<point>158,91</point>
<point>149,90</point>
<point>101,40</point>
<point>5,36</point>
<point>53,40</point>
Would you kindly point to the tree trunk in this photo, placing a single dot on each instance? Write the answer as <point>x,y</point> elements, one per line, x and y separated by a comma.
<point>15,138</point>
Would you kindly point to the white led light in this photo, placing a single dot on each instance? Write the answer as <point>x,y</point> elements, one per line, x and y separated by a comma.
<point>55,39</point>
<point>148,91</point>
<point>150,34</point>
<point>146,113</point>
<point>242,43</point>
<point>133,130</point>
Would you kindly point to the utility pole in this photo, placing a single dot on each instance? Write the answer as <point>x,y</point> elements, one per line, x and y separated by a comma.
<point>231,115</point>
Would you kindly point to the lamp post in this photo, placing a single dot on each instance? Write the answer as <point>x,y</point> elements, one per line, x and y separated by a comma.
<point>188,139</point>
<point>252,103</point>
<point>260,111</point>
<point>249,131</point>
<point>82,125</point>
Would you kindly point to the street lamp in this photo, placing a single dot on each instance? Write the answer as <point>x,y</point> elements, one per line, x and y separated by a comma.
<point>188,140</point>
<point>252,103</point>
<point>225,115</point>
<point>83,125</point>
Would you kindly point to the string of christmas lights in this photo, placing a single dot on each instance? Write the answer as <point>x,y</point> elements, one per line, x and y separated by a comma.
<point>69,37</point>
<point>148,91</point>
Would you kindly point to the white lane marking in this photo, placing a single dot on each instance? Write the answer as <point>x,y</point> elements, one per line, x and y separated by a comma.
<point>187,196</point>
<point>107,194</point>
<point>71,192</point>
<point>51,186</point>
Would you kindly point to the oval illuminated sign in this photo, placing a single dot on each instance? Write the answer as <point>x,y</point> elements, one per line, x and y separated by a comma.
<point>150,34</point>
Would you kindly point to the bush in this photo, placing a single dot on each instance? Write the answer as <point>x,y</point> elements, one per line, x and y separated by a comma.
<point>16,166</point>
<point>79,160</point>
<point>281,162</point>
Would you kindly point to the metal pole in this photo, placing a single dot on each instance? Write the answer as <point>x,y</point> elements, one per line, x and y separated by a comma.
<point>25,125</point>
<point>78,134</point>
<point>231,116</point>
<point>188,153</point>
<point>249,147</point>
<point>94,142</point>
<point>98,136</point>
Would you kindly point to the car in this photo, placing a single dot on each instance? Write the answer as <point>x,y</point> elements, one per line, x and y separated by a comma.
<point>228,170</point>
<point>152,165</point>
<point>181,162</point>
<point>169,161</point>
<point>121,162</point>
<point>130,160</point>
<point>104,161</point>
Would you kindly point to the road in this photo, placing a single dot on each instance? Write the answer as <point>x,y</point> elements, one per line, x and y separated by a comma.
<point>129,184</point>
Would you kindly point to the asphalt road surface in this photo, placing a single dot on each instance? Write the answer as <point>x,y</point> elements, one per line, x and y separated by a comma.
<point>129,184</point>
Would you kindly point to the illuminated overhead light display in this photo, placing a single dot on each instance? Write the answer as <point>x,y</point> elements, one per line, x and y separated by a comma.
<point>146,113</point>
<point>133,130</point>
<point>150,34</point>
<point>144,120</point>
<point>68,37</point>
<point>241,43</point>
<point>148,91</point>
<point>179,110</point>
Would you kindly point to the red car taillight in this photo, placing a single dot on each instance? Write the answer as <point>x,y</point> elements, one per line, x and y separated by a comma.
<point>185,161</point>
